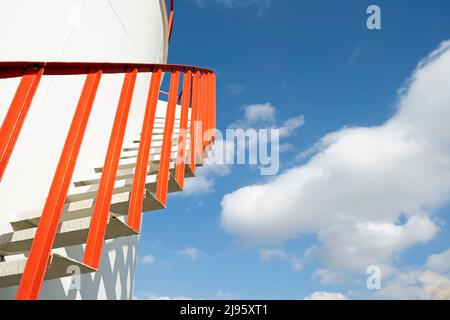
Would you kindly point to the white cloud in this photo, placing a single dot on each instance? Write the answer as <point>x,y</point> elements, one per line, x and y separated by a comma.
<point>264,115</point>
<point>368,193</point>
<point>279,254</point>
<point>286,147</point>
<point>235,89</point>
<point>214,167</point>
<point>323,295</point>
<point>262,4</point>
<point>221,295</point>
<point>291,125</point>
<point>256,116</point>
<point>327,276</point>
<point>148,259</point>
<point>269,254</point>
<point>296,264</point>
<point>355,54</point>
<point>192,253</point>
<point>152,296</point>
<point>439,262</point>
<point>200,185</point>
<point>416,284</point>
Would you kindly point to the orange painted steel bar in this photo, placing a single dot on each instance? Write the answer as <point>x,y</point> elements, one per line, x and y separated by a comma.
<point>204,111</point>
<point>214,97</point>
<point>17,113</point>
<point>182,138</point>
<point>194,120</point>
<point>140,173</point>
<point>166,149</point>
<point>201,119</point>
<point>212,125</point>
<point>101,212</point>
<point>208,135</point>
<point>35,268</point>
<point>16,69</point>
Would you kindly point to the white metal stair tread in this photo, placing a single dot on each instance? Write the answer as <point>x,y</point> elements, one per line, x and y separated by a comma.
<point>121,187</point>
<point>58,267</point>
<point>30,219</point>
<point>95,178</point>
<point>70,233</point>
<point>134,145</point>
<point>131,162</point>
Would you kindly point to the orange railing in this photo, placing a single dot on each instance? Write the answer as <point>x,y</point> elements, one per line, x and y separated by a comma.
<point>198,95</point>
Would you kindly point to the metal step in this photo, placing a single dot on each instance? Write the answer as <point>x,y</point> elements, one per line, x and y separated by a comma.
<point>124,187</point>
<point>95,179</point>
<point>151,203</point>
<point>58,267</point>
<point>70,233</point>
<point>130,163</point>
<point>157,138</point>
<point>155,148</point>
<point>84,208</point>
<point>131,150</point>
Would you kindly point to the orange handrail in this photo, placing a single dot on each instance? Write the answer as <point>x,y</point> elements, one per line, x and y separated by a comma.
<point>198,96</point>
<point>10,69</point>
<point>171,18</point>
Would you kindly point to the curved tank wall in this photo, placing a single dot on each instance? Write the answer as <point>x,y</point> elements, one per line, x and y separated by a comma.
<point>83,31</point>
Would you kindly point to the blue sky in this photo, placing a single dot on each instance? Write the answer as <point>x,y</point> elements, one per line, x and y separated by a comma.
<point>311,58</point>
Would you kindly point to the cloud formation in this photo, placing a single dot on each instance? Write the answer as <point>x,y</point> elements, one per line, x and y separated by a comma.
<point>235,89</point>
<point>261,4</point>
<point>192,253</point>
<point>323,295</point>
<point>268,255</point>
<point>214,167</point>
<point>366,192</point>
<point>264,116</point>
<point>148,259</point>
<point>439,262</point>
<point>416,284</point>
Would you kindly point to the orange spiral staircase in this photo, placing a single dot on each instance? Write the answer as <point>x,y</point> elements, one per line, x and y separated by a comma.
<point>135,178</point>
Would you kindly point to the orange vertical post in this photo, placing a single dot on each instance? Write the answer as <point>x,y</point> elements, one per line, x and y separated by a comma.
<point>166,149</point>
<point>100,216</point>
<point>214,106</point>
<point>194,119</point>
<point>16,115</point>
<point>140,173</point>
<point>209,111</point>
<point>35,268</point>
<point>201,118</point>
<point>182,137</point>
<point>204,110</point>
